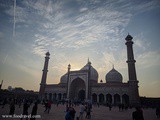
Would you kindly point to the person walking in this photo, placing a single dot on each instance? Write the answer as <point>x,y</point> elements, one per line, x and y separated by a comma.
<point>4,102</point>
<point>46,105</point>
<point>68,116</point>
<point>25,110</point>
<point>158,112</point>
<point>138,114</point>
<point>88,111</point>
<point>34,111</point>
<point>12,108</point>
<point>49,106</point>
<point>82,108</point>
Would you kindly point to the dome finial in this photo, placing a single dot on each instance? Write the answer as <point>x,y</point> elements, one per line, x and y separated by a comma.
<point>112,64</point>
<point>89,61</point>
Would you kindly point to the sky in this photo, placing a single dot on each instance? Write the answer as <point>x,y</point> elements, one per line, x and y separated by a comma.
<point>73,31</point>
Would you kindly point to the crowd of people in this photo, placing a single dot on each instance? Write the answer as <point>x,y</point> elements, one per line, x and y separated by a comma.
<point>47,105</point>
<point>85,109</point>
<point>26,104</point>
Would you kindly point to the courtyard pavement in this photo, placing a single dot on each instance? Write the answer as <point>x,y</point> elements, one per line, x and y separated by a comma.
<point>98,113</point>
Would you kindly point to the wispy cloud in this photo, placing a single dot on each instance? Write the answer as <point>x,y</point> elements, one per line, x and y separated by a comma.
<point>84,28</point>
<point>5,59</point>
<point>60,27</point>
<point>141,42</point>
<point>149,59</point>
<point>83,9</point>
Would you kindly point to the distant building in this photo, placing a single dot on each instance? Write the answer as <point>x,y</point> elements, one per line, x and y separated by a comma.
<point>10,88</point>
<point>83,84</point>
<point>17,93</point>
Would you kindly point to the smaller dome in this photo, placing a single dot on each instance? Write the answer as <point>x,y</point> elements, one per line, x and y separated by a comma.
<point>64,78</point>
<point>113,76</point>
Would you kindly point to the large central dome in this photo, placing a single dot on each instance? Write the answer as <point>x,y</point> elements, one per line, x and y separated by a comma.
<point>93,74</point>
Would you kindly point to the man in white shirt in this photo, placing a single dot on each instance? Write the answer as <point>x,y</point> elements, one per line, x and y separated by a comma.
<point>82,108</point>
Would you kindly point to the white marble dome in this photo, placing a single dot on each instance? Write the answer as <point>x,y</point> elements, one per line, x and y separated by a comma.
<point>94,73</point>
<point>114,76</point>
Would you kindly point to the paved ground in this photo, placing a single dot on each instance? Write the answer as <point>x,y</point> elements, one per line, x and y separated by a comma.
<point>101,113</point>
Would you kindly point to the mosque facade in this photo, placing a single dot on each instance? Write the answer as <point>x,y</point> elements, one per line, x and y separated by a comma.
<point>82,85</point>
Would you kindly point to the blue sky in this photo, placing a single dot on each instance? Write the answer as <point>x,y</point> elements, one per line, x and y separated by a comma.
<point>73,30</point>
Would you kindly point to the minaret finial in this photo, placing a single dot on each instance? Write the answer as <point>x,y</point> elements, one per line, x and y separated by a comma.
<point>69,66</point>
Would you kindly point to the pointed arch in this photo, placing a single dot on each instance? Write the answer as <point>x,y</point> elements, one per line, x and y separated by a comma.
<point>109,98</point>
<point>117,99</point>
<point>54,96</point>
<point>125,99</point>
<point>59,96</point>
<point>101,98</point>
<point>50,96</point>
<point>45,96</point>
<point>94,97</point>
<point>64,95</point>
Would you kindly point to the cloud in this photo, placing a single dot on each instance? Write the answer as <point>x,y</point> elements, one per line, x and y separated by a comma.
<point>141,42</point>
<point>5,59</point>
<point>28,70</point>
<point>61,27</point>
<point>83,9</point>
<point>149,59</point>
<point>1,35</point>
<point>144,6</point>
<point>83,29</point>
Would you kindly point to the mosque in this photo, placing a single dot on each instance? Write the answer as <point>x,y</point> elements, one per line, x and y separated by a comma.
<point>82,85</point>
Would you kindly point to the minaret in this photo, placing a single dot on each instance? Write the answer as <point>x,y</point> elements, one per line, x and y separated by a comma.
<point>130,56</point>
<point>133,82</point>
<point>69,67</point>
<point>89,81</point>
<point>44,76</point>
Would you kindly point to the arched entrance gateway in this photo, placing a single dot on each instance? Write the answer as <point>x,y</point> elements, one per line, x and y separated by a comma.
<point>77,90</point>
<point>81,95</point>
